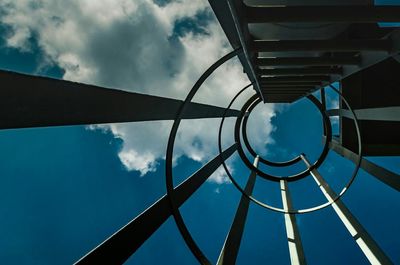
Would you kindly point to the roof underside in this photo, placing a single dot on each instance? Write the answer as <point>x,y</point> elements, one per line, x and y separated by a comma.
<point>292,48</point>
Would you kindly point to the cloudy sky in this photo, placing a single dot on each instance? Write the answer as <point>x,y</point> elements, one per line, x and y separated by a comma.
<point>66,189</point>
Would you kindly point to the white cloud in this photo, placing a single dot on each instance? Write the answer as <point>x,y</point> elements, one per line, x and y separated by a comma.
<point>220,176</point>
<point>131,45</point>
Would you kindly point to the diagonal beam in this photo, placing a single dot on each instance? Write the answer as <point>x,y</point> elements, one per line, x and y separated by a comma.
<point>372,114</point>
<point>231,246</point>
<point>121,245</point>
<point>367,244</point>
<point>235,9</point>
<point>31,101</point>
<point>292,231</point>
<point>386,176</point>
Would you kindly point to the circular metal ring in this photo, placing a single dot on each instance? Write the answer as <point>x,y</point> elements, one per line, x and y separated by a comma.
<point>251,150</point>
<point>301,211</point>
<point>194,248</point>
<point>255,100</point>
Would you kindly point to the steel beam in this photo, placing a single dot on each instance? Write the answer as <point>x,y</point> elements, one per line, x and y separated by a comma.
<point>386,176</point>
<point>308,61</point>
<point>284,88</point>
<point>236,9</point>
<point>231,246</point>
<point>300,71</point>
<point>300,84</point>
<point>292,231</point>
<point>371,114</point>
<point>321,45</point>
<point>294,79</point>
<point>121,245</point>
<point>282,98</point>
<point>31,101</point>
<point>367,244</point>
<point>341,14</point>
<point>283,93</point>
<point>225,19</point>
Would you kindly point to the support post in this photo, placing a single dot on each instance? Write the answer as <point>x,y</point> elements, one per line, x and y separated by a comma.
<point>382,174</point>
<point>121,245</point>
<point>367,244</point>
<point>292,231</point>
<point>231,246</point>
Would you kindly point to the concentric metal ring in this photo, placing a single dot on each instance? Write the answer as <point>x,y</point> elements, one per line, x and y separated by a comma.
<point>254,100</point>
<point>307,210</point>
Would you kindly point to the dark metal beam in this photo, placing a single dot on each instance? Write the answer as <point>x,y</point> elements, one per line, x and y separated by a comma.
<point>342,14</point>
<point>225,19</point>
<point>121,245</point>
<point>282,84</point>
<point>283,91</point>
<point>231,246</point>
<point>282,98</point>
<point>388,177</point>
<point>366,243</point>
<point>235,8</point>
<point>300,71</point>
<point>31,101</point>
<point>308,61</point>
<point>321,45</point>
<point>294,79</point>
<point>286,89</point>
<point>372,114</point>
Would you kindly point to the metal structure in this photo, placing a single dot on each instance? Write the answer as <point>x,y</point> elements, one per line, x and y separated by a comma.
<point>288,51</point>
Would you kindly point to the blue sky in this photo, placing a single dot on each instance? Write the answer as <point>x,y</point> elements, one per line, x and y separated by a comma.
<point>66,189</point>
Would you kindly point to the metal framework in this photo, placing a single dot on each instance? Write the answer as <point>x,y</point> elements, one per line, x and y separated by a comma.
<point>284,61</point>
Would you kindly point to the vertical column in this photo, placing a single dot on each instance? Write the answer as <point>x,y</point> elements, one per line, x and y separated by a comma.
<point>231,246</point>
<point>293,236</point>
<point>367,244</point>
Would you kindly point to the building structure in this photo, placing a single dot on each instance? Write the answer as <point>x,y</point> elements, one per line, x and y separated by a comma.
<point>288,50</point>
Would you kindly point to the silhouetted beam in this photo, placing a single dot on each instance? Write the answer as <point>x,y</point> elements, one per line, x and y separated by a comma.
<point>372,114</point>
<point>282,99</point>
<point>386,176</point>
<point>284,89</point>
<point>366,243</point>
<point>242,30</point>
<point>352,14</point>
<point>292,231</point>
<point>281,84</point>
<point>231,246</point>
<point>320,45</point>
<point>308,61</point>
<point>31,101</point>
<point>294,79</point>
<point>121,245</point>
<point>300,71</point>
<point>276,94</point>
